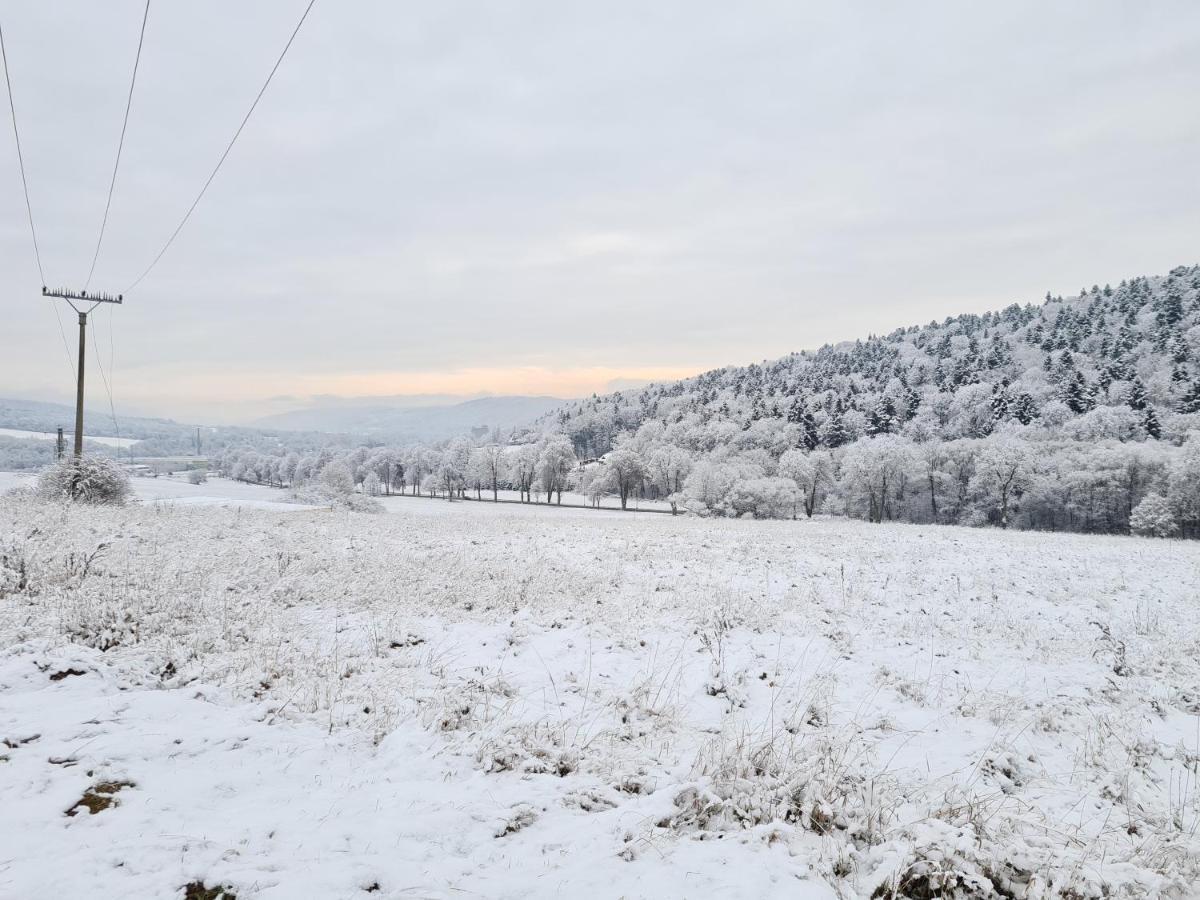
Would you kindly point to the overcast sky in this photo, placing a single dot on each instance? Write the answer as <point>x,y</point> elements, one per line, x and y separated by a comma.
<point>556,197</point>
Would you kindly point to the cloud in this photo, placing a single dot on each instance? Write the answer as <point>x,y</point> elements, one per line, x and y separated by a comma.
<point>437,194</point>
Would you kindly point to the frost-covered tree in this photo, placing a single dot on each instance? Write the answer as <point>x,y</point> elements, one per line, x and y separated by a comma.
<point>873,472</point>
<point>337,478</point>
<point>554,463</point>
<point>522,465</point>
<point>370,485</point>
<point>488,466</point>
<point>1154,517</point>
<point>1001,469</point>
<point>627,470</point>
<point>812,473</point>
<point>1183,489</point>
<point>667,467</point>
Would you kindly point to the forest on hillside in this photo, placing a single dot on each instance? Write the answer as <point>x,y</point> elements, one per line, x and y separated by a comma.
<point>1079,414</point>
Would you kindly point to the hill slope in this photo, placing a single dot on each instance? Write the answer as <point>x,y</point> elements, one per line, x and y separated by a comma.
<point>1111,362</point>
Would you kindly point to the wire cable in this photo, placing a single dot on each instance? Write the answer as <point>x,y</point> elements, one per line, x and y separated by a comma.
<point>224,155</point>
<point>120,146</point>
<point>107,387</point>
<point>37,252</point>
<point>62,333</point>
<point>21,159</point>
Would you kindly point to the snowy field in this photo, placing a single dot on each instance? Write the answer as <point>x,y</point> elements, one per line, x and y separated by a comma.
<point>447,702</point>
<point>218,491</point>
<point>176,490</point>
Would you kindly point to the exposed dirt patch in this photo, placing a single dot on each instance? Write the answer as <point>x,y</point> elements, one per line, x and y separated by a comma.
<point>99,797</point>
<point>198,890</point>
<point>66,673</point>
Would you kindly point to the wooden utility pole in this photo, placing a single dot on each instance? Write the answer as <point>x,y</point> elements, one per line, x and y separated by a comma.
<point>94,299</point>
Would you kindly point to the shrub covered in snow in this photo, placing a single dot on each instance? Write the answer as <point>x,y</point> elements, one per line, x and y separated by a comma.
<point>89,479</point>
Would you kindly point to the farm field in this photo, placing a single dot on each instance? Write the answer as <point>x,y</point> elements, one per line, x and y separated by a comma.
<point>529,702</point>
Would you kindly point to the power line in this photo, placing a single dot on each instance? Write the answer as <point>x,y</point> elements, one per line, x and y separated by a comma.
<point>62,332</point>
<point>100,240</point>
<point>21,159</point>
<point>37,253</point>
<point>120,146</point>
<point>108,387</point>
<point>221,161</point>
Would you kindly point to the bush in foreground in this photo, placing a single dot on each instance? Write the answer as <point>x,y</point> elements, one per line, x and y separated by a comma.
<point>88,479</point>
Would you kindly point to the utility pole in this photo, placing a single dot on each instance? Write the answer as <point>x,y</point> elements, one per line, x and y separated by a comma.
<point>84,297</point>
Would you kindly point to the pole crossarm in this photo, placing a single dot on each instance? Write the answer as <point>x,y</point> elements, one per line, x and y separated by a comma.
<point>88,296</point>
<point>95,298</point>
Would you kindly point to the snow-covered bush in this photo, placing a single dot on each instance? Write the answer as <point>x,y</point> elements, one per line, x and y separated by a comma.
<point>763,498</point>
<point>197,476</point>
<point>1154,517</point>
<point>89,479</point>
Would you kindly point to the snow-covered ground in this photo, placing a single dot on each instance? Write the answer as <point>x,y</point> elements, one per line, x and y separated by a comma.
<point>530,702</point>
<point>176,490</point>
<point>219,491</point>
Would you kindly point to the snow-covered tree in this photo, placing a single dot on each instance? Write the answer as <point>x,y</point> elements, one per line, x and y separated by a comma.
<point>554,463</point>
<point>667,468</point>
<point>1184,485</point>
<point>371,485</point>
<point>1154,517</point>
<point>489,467</point>
<point>1001,469</point>
<point>627,470</point>
<point>873,472</point>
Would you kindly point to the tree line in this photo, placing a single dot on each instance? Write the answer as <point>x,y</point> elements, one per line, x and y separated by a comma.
<point>1022,477</point>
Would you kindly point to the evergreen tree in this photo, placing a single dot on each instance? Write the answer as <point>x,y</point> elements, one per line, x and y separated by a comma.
<point>1000,401</point>
<point>912,402</point>
<point>1077,395</point>
<point>1190,401</point>
<point>882,419</point>
<point>1171,312</point>
<point>1024,410</point>
<point>808,432</point>
<point>1150,423</point>
<point>835,429</point>
<point>1137,395</point>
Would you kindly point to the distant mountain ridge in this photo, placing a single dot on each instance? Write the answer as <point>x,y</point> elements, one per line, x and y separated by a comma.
<point>420,423</point>
<point>36,415</point>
